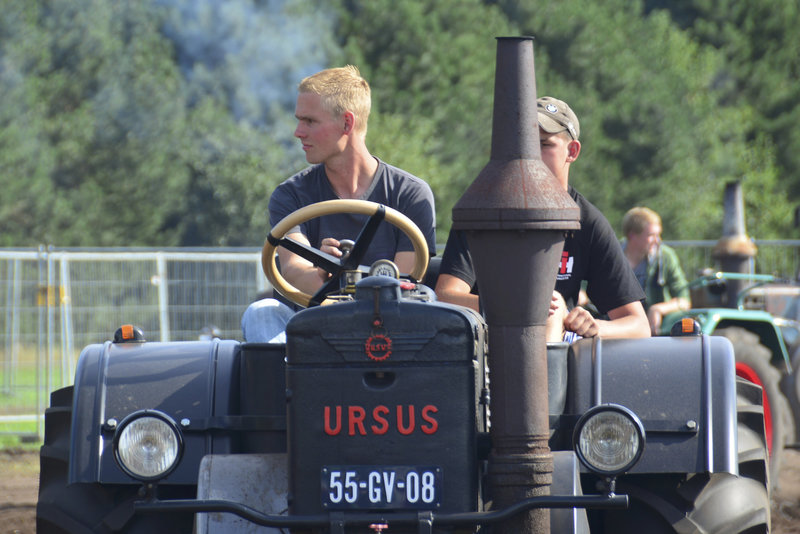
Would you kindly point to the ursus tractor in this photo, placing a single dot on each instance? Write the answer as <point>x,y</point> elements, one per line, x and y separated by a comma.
<point>387,411</point>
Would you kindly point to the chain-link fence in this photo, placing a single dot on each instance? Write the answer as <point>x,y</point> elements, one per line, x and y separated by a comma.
<point>776,257</point>
<point>55,302</point>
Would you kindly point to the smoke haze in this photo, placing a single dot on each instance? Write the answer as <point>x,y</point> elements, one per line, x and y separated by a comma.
<point>251,53</point>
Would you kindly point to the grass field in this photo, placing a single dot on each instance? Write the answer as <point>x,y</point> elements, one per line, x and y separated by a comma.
<point>19,435</point>
<point>24,394</point>
<point>25,441</point>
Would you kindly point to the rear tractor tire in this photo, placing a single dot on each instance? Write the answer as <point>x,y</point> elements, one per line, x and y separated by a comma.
<point>753,363</point>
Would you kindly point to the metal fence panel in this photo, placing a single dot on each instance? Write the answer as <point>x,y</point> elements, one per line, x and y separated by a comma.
<point>24,367</point>
<point>777,257</point>
<point>55,302</point>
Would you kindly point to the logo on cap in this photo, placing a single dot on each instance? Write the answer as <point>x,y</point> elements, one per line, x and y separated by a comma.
<point>551,108</point>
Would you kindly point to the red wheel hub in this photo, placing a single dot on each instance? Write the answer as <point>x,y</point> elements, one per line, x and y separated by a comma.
<point>748,373</point>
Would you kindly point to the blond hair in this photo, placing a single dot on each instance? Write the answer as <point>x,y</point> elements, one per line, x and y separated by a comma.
<point>636,220</point>
<point>341,89</point>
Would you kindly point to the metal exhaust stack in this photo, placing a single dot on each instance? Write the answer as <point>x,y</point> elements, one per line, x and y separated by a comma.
<point>735,249</point>
<point>516,215</point>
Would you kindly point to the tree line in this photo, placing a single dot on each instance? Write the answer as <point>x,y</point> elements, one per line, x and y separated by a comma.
<point>169,122</point>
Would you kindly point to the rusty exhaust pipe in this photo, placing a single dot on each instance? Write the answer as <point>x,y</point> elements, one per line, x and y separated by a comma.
<point>734,250</point>
<point>516,215</point>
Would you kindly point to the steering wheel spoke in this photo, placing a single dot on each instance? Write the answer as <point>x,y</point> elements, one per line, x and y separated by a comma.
<point>364,238</point>
<point>318,258</point>
<point>329,287</point>
<point>334,266</point>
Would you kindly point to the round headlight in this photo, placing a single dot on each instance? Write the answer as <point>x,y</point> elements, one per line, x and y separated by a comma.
<point>609,439</point>
<point>148,445</point>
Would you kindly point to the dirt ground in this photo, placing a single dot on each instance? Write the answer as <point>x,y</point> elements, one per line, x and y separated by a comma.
<point>786,500</point>
<point>19,483</point>
<point>19,480</point>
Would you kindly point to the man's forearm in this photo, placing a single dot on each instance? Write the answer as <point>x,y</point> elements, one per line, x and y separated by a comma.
<point>672,305</point>
<point>463,299</point>
<point>306,279</point>
<point>631,326</point>
<point>629,320</point>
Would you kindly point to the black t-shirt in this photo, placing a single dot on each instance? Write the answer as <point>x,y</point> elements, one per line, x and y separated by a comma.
<point>592,253</point>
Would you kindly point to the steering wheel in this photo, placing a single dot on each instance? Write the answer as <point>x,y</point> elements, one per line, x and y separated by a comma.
<point>331,264</point>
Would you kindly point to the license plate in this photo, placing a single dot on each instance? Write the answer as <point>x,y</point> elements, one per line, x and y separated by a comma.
<point>366,486</point>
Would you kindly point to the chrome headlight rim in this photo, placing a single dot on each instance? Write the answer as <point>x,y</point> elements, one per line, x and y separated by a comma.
<point>162,418</point>
<point>635,425</point>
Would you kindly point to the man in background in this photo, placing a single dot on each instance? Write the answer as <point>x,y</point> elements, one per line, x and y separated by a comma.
<point>655,265</point>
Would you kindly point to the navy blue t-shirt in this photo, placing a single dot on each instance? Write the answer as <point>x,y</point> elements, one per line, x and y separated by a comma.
<point>391,187</point>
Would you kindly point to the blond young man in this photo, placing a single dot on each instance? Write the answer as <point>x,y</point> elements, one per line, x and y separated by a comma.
<point>332,112</point>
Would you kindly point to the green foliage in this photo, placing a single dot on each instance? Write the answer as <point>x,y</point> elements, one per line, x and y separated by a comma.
<point>86,108</point>
<point>390,141</point>
<point>24,162</point>
<point>169,122</point>
<point>759,43</point>
<point>107,143</point>
<point>652,128</point>
<point>431,63</point>
<point>232,169</point>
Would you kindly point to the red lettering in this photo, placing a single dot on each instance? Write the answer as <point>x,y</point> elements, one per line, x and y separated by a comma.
<point>405,430</point>
<point>381,420</point>
<point>327,417</point>
<point>433,425</point>
<point>378,415</point>
<point>378,347</point>
<point>356,415</point>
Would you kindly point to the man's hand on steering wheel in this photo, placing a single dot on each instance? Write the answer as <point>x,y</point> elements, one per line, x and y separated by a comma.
<point>330,246</point>
<point>330,261</point>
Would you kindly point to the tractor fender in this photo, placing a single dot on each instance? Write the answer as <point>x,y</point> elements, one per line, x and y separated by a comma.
<point>760,322</point>
<point>683,389</point>
<point>195,383</point>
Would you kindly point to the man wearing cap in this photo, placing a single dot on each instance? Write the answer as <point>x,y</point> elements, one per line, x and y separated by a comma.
<point>592,253</point>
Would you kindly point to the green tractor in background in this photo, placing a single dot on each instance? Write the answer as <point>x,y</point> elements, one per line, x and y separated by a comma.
<point>762,326</point>
<point>760,315</point>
